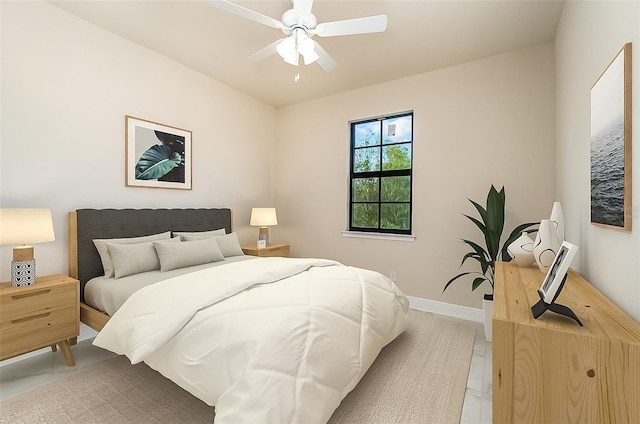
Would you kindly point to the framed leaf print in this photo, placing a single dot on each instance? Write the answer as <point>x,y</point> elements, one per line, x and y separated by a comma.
<point>157,155</point>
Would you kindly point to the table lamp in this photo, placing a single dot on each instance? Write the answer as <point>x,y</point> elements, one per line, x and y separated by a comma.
<point>263,218</point>
<point>25,226</point>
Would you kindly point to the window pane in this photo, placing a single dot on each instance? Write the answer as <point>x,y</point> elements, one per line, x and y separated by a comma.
<point>394,216</point>
<point>367,159</point>
<point>397,156</point>
<point>396,189</point>
<point>365,190</point>
<point>397,130</point>
<point>367,134</point>
<point>365,215</point>
<point>381,174</point>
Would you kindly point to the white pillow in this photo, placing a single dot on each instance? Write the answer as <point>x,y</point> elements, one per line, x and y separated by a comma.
<point>105,256</point>
<point>188,253</point>
<point>129,259</point>
<point>218,232</point>
<point>228,243</point>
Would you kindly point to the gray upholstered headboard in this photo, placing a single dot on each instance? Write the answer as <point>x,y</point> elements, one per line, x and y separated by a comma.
<point>88,224</point>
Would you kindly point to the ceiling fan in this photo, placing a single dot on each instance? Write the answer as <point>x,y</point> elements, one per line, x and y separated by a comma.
<point>299,25</point>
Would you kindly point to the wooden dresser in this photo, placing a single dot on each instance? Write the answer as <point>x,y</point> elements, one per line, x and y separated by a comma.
<point>46,313</point>
<point>551,370</point>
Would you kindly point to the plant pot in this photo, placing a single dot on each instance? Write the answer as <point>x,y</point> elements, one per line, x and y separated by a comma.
<point>487,308</point>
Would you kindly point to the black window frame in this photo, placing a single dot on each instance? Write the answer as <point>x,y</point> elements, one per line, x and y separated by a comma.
<point>380,174</point>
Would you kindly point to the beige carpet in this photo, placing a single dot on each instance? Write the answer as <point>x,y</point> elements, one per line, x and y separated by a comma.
<point>419,378</point>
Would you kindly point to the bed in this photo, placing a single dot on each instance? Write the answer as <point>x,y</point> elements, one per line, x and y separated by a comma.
<point>279,340</point>
<point>85,225</point>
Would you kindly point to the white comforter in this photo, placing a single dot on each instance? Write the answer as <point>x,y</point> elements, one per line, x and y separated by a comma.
<point>272,340</point>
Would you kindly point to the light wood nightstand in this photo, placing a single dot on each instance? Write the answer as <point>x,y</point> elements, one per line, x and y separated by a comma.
<point>46,313</point>
<point>271,250</point>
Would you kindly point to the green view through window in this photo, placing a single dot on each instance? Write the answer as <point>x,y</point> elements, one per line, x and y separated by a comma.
<point>381,170</point>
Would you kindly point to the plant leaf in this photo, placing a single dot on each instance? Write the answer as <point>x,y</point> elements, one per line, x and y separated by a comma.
<point>479,224</point>
<point>155,162</point>
<point>456,277</point>
<point>495,220</point>
<point>480,255</point>
<point>476,282</point>
<point>482,211</point>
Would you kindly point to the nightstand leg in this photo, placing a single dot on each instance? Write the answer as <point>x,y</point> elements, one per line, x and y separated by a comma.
<point>66,352</point>
<point>54,348</point>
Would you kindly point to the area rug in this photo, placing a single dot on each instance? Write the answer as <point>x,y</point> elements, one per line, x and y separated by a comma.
<point>418,378</point>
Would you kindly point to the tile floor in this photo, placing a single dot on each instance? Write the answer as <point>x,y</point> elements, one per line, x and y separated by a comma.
<point>26,372</point>
<point>478,397</point>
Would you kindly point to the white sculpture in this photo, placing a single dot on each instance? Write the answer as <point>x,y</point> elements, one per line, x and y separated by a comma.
<point>546,245</point>
<point>557,218</point>
<point>521,250</point>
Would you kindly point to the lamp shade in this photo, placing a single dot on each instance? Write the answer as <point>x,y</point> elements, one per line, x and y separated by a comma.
<point>26,226</point>
<point>263,217</point>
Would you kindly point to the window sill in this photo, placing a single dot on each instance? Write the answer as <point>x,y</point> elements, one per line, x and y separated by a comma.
<point>378,236</point>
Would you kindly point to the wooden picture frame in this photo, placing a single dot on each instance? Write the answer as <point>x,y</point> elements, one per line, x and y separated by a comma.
<point>611,144</point>
<point>157,155</point>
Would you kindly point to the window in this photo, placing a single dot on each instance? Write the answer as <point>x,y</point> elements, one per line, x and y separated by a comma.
<point>381,171</point>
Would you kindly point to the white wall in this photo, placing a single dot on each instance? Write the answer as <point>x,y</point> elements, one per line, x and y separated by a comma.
<point>485,122</point>
<point>589,36</point>
<point>66,87</point>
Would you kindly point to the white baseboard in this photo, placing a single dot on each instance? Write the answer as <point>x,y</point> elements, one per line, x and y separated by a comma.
<point>448,309</point>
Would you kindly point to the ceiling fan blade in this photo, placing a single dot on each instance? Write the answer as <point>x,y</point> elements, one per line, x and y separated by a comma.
<point>302,7</point>
<point>364,25</point>
<point>265,52</point>
<point>227,6</point>
<point>325,61</point>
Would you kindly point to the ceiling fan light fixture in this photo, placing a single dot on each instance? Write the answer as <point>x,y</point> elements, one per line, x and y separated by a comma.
<point>288,51</point>
<point>298,24</point>
<point>306,47</point>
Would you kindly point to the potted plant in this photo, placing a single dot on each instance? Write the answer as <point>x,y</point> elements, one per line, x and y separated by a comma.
<point>491,225</point>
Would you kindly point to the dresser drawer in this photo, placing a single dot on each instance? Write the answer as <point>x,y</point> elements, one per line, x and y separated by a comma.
<point>21,304</point>
<point>37,330</point>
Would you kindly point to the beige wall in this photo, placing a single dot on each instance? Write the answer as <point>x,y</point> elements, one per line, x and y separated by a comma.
<point>486,122</point>
<point>67,84</point>
<point>588,38</point>
<point>66,87</point>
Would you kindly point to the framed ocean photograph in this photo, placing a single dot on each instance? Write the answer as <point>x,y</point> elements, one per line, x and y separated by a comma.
<point>611,144</point>
<point>157,155</point>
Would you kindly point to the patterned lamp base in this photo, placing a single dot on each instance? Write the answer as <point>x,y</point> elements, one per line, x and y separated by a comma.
<point>23,273</point>
<point>264,235</point>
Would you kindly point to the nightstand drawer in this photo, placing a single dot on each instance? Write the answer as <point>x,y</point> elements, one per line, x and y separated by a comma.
<point>36,330</point>
<point>21,304</point>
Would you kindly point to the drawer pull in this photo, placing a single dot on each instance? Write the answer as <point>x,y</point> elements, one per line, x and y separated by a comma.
<point>31,318</point>
<point>30,294</point>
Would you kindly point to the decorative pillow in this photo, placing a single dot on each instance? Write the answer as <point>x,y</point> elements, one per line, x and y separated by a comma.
<point>129,259</point>
<point>219,232</point>
<point>228,243</point>
<point>105,256</point>
<point>189,253</point>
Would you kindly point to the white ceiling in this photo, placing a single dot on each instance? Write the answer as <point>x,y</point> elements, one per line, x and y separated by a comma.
<point>421,36</point>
